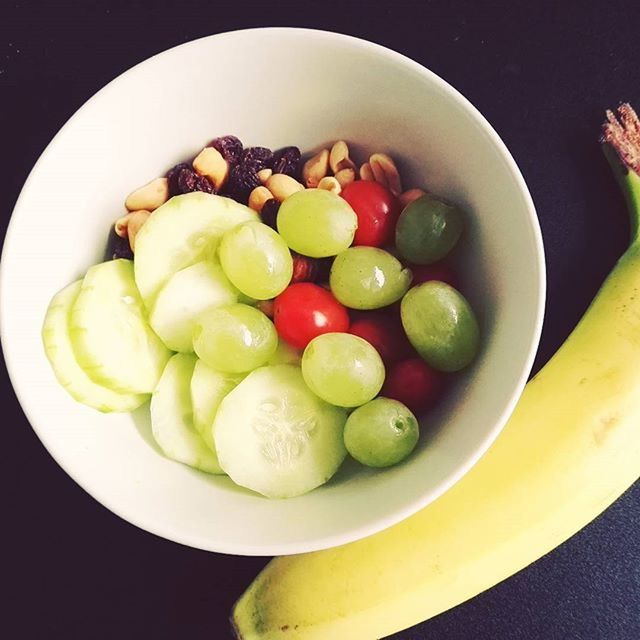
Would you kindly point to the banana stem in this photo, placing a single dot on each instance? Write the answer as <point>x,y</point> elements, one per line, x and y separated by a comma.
<point>621,145</point>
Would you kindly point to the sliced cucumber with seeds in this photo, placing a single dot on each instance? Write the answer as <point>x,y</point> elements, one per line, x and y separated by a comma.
<point>172,417</point>
<point>274,436</point>
<point>183,231</point>
<point>208,389</point>
<point>188,294</point>
<point>57,346</point>
<point>111,337</point>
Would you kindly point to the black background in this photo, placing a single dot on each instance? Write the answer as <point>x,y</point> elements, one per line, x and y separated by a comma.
<point>543,75</point>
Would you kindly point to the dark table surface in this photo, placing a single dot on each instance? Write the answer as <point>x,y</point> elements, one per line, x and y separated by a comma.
<point>543,75</point>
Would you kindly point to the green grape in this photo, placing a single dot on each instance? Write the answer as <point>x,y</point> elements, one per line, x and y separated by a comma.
<point>256,260</point>
<point>381,433</point>
<point>428,229</point>
<point>368,278</point>
<point>441,325</point>
<point>342,369</point>
<point>317,223</point>
<point>235,338</point>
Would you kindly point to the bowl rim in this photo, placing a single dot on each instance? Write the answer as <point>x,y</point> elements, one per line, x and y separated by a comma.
<point>395,515</point>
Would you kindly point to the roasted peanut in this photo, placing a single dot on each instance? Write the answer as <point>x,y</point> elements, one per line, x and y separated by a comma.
<point>316,168</point>
<point>264,175</point>
<point>339,157</point>
<point>258,197</point>
<point>385,172</point>
<point>148,197</point>
<point>128,226</point>
<point>330,183</point>
<point>345,176</point>
<point>409,196</point>
<point>366,173</point>
<point>282,186</point>
<point>210,163</point>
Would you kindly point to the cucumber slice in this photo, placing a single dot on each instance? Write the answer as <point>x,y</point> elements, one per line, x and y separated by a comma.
<point>57,347</point>
<point>111,337</point>
<point>183,231</point>
<point>187,295</point>
<point>208,389</point>
<point>273,435</point>
<point>172,417</point>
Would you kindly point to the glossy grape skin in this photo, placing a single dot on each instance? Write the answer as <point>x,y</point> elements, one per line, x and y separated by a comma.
<point>256,260</point>
<point>317,223</point>
<point>441,325</point>
<point>428,229</point>
<point>342,369</point>
<point>368,278</point>
<point>235,338</point>
<point>381,433</point>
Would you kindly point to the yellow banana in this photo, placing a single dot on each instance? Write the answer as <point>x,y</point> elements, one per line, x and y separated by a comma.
<point>571,447</point>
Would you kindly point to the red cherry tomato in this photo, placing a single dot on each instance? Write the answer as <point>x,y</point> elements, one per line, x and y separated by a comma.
<point>377,210</point>
<point>414,383</point>
<point>383,330</point>
<point>305,310</point>
<point>437,271</point>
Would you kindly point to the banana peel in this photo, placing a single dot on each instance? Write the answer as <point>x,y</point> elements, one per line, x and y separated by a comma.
<point>571,447</point>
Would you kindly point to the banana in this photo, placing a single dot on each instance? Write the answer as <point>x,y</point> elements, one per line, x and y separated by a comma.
<point>571,447</point>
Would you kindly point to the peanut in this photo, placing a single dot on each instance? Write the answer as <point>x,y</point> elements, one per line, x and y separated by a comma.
<point>316,168</point>
<point>210,163</point>
<point>330,183</point>
<point>339,157</point>
<point>282,186</point>
<point>385,172</point>
<point>148,197</point>
<point>258,197</point>
<point>366,173</point>
<point>130,225</point>
<point>264,175</point>
<point>345,176</point>
<point>409,196</point>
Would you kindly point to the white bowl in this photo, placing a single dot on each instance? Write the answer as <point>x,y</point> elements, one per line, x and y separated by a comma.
<point>270,87</point>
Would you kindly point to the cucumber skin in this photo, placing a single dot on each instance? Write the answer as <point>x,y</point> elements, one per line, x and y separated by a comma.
<point>127,375</point>
<point>176,435</point>
<point>67,370</point>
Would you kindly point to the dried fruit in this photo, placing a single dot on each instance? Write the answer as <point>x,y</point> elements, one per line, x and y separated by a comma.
<point>242,181</point>
<point>269,213</point>
<point>305,269</point>
<point>230,147</point>
<point>266,306</point>
<point>183,179</point>
<point>287,161</point>
<point>117,247</point>
<point>257,156</point>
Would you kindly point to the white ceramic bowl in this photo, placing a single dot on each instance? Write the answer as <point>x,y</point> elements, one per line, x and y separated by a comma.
<point>270,87</point>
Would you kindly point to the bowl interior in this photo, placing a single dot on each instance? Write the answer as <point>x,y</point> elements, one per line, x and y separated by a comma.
<point>271,87</point>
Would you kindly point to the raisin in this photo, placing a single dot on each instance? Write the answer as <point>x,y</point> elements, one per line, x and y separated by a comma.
<point>269,213</point>
<point>323,269</point>
<point>117,247</point>
<point>286,160</point>
<point>242,180</point>
<point>257,156</point>
<point>229,147</point>
<point>305,269</point>
<point>183,179</point>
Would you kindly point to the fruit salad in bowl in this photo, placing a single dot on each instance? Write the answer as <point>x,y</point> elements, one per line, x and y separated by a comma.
<point>258,299</point>
<point>323,292</point>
